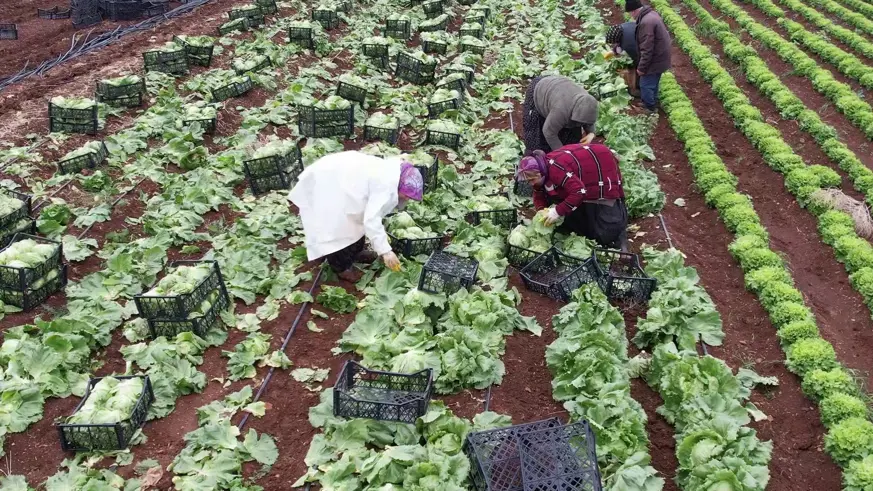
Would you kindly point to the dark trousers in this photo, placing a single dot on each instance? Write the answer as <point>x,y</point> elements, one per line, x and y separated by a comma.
<point>649,86</point>
<point>532,125</point>
<point>607,225</point>
<point>344,259</point>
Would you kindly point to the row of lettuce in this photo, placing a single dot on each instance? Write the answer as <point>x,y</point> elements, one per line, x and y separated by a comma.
<point>825,380</point>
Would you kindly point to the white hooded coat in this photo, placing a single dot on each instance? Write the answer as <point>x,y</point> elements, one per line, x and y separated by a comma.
<point>343,197</point>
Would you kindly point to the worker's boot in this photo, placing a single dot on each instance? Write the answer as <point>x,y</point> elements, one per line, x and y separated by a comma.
<point>351,275</point>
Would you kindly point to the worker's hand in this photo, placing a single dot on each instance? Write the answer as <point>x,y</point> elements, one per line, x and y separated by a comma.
<point>552,217</point>
<point>587,139</point>
<point>391,261</point>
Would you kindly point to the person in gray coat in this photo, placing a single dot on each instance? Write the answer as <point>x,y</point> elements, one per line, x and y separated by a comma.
<point>556,112</point>
<point>654,45</point>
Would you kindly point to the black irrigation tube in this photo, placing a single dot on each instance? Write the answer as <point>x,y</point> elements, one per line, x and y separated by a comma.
<point>285,342</point>
<point>88,45</point>
<point>29,149</point>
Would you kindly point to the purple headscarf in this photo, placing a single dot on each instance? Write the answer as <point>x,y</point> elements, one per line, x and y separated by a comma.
<point>411,182</point>
<point>534,163</point>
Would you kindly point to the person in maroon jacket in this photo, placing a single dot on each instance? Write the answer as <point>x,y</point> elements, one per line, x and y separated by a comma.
<point>581,184</point>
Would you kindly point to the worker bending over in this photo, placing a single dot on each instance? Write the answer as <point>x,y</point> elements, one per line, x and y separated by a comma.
<point>343,198</point>
<point>556,112</point>
<point>582,184</point>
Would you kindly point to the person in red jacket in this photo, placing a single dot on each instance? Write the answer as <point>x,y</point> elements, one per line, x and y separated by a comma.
<point>581,184</point>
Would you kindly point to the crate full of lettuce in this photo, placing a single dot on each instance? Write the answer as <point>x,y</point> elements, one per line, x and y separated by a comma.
<point>111,411</point>
<point>30,270</point>
<point>527,241</point>
<point>88,156</point>
<point>15,211</point>
<point>496,209</point>
<point>171,58</point>
<point>199,49</point>
<point>124,91</point>
<point>332,116</point>
<point>409,238</point>
<point>189,297</point>
<point>380,126</point>
<point>73,115</point>
<point>275,165</point>
<point>416,67</point>
<point>444,99</point>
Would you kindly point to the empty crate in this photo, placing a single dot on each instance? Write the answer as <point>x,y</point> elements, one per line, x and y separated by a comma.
<point>447,273</point>
<point>386,396</point>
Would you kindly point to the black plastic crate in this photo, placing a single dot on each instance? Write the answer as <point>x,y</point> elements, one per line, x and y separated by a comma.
<point>121,9</point>
<point>130,95</point>
<point>38,291</point>
<point>274,172</point>
<point>432,9</point>
<point>507,218</point>
<point>197,55</point>
<point>557,275</point>
<point>53,13</point>
<point>108,436</point>
<point>268,7</point>
<point>450,140</point>
<point>467,2</point>
<point>241,24</point>
<point>328,19</point>
<point>351,92</point>
<point>436,27</point>
<point>430,174</point>
<point>472,48</point>
<point>233,89</point>
<point>477,16</point>
<point>434,47</point>
<point>152,9</point>
<point>200,326</point>
<point>413,70</point>
<point>467,73</point>
<point>21,279</point>
<point>388,135</point>
<point>23,212</point>
<point>459,84</point>
<point>435,109</point>
<point>375,50</point>
<point>72,120</point>
<point>322,123</point>
<point>621,277</point>
<point>254,16</point>
<point>301,36</point>
<point>522,189</point>
<point>495,460</point>
<point>385,396</point>
<point>562,458</point>
<point>179,306</point>
<point>266,63</point>
<point>172,62</point>
<point>482,8</point>
<point>447,273</point>
<point>519,257</point>
<point>87,161</point>
<point>415,247</point>
<point>344,6</point>
<point>7,236</point>
<point>476,32</point>
<point>398,29</point>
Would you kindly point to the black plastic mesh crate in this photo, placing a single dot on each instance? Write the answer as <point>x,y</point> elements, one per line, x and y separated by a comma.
<point>180,306</point>
<point>432,9</point>
<point>344,6</point>
<point>121,9</point>
<point>441,26</point>
<point>351,92</point>
<point>519,257</point>
<point>386,396</point>
<point>53,13</point>
<point>413,70</point>
<point>200,326</point>
<point>495,460</point>
<point>482,8</point>
<point>557,275</point>
<point>430,174</point>
<point>73,120</point>
<point>435,109</point>
<point>265,63</point>
<point>241,24</point>
<point>398,29</point>
<point>415,247</point>
<point>172,62</point>
<point>450,140</point>
<point>87,161</point>
<point>477,16</point>
<point>44,287</point>
<point>275,172</point>
<point>507,218</point>
<point>233,89</point>
<point>472,48</point>
<point>23,212</point>
<point>434,47</point>
<point>254,16</point>
<point>467,73</point>
<point>562,458</point>
<point>328,19</point>
<point>375,50</point>
<point>197,55</point>
<point>388,135</point>
<point>23,279</point>
<point>467,2</point>
<point>621,277</point>
<point>151,9</point>
<point>301,36</point>
<point>268,7</point>
<point>130,95</point>
<point>459,84</point>
<point>108,436</point>
<point>26,226</point>
<point>322,123</point>
<point>447,273</point>
<point>475,31</point>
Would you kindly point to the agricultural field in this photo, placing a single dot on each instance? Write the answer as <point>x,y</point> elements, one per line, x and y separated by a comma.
<point>746,368</point>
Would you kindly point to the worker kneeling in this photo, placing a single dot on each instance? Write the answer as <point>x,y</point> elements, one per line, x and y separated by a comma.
<point>582,184</point>
<point>343,198</point>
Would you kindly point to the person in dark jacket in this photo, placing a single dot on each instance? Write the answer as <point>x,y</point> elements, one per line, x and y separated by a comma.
<point>623,39</point>
<point>653,42</point>
<point>556,112</point>
<point>581,184</point>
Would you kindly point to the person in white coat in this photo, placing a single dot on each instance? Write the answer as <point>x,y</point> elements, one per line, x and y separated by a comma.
<point>343,198</point>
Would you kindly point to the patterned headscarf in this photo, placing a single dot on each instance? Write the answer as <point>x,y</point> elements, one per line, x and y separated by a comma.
<point>411,182</point>
<point>535,163</point>
<point>614,35</point>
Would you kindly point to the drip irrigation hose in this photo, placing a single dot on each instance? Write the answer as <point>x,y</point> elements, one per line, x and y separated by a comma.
<point>285,342</point>
<point>111,206</point>
<point>88,45</point>
<point>488,398</point>
<point>29,149</point>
